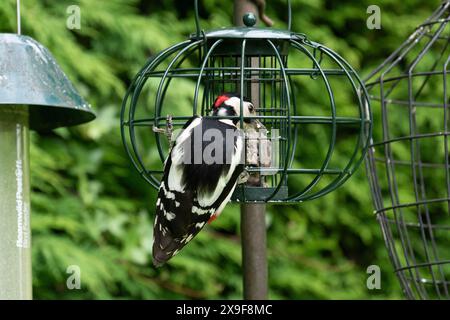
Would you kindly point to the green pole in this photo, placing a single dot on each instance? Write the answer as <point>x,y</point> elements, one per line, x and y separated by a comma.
<point>15,236</point>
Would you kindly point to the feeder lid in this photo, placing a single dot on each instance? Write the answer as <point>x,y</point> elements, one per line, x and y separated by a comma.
<point>247,33</point>
<point>30,76</point>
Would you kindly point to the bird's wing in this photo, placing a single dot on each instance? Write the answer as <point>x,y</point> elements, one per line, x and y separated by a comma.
<point>182,210</point>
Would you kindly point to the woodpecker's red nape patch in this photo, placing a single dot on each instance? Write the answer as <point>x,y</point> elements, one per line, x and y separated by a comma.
<point>220,99</point>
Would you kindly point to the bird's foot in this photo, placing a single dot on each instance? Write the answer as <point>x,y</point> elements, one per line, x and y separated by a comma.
<point>168,130</point>
<point>243,177</point>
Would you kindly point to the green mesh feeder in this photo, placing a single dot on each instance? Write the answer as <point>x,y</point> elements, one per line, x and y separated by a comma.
<point>309,136</point>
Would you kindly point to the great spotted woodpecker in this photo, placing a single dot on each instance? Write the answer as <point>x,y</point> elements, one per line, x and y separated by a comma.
<point>198,179</point>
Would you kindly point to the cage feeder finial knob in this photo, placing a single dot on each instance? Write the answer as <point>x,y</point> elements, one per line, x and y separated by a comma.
<point>249,19</point>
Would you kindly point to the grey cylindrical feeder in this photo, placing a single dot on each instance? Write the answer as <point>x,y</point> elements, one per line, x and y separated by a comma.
<point>34,94</point>
<point>15,237</point>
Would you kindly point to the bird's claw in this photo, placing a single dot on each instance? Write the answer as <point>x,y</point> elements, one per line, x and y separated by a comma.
<point>243,177</point>
<point>168,130</point>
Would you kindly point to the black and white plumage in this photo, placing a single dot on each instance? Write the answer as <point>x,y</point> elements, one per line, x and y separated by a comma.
<point>194,192</point>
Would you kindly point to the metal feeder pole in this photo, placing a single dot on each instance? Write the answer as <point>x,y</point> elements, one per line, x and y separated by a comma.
<point>15,236</point>
<point>253,220</point>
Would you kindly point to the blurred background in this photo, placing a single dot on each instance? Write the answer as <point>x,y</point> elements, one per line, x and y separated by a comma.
<point>90,208</point>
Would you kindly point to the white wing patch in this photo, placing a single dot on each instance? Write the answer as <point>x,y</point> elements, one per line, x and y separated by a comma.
<point>177,155</point>
<point>174,178</point>
<point>200,225</point>
<point>224,203</point>
<point>169,215</point>
<point>170,195</point>
<point>187,238</point>
<point>199,211</point>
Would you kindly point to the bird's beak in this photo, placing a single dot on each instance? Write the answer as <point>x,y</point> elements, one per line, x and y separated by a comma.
<point>253,123</point>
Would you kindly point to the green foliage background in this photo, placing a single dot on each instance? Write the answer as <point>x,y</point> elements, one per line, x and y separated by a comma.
<point>92,210</point>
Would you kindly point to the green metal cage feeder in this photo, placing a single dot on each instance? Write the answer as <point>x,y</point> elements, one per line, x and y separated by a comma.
<point>309,135</point>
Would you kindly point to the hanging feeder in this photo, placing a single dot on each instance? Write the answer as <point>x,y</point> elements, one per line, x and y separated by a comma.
<point>34,94</point>
<point>303,149</point>
<point>408,165</point>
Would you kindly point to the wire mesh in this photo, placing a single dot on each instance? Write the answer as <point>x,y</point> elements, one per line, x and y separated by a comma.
<point>408,165</point>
